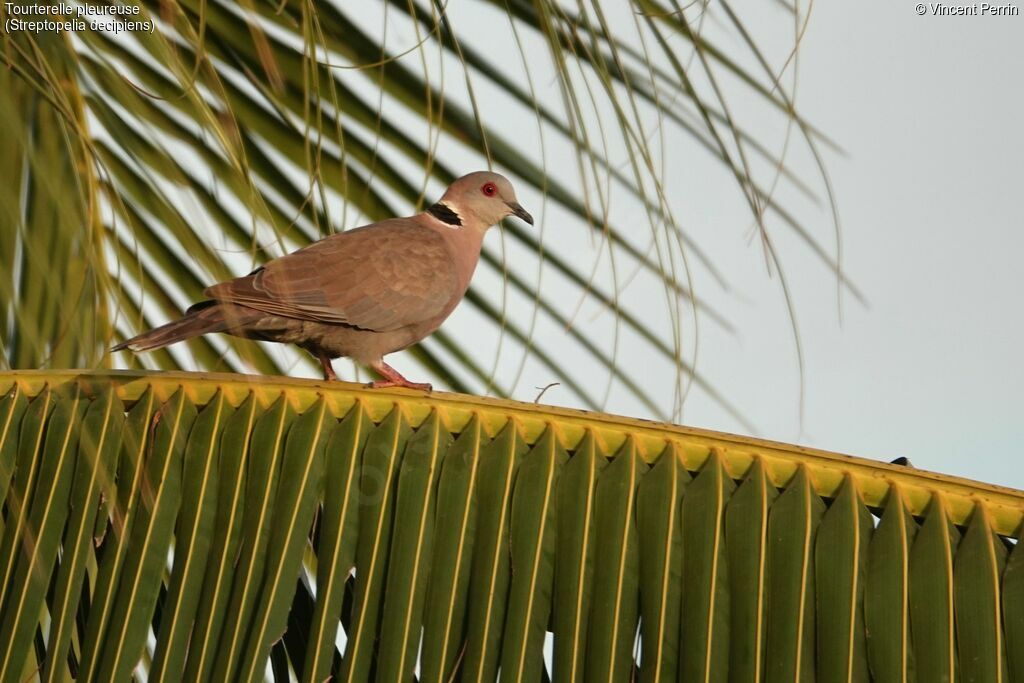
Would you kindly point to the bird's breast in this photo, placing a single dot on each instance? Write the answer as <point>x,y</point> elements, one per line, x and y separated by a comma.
<point>464,248</point>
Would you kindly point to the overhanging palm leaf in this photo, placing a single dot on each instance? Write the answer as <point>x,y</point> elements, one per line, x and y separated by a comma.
<point>149,164</point>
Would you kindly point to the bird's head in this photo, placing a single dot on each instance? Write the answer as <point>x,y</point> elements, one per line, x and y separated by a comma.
<point>484,196</point>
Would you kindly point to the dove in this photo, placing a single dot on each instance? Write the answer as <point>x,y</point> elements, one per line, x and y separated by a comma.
<point>362,293</point>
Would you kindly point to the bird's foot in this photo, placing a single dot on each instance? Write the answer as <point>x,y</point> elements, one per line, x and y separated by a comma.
<point>385,383</point>
<point>393,378</point>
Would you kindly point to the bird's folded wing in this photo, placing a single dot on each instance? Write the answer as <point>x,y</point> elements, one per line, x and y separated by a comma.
<point>381,277</point>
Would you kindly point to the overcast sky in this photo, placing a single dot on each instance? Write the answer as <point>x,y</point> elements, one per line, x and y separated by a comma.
<point>930,113</point>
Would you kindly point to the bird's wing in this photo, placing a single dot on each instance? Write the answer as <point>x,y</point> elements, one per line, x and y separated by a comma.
<point>380,277</point>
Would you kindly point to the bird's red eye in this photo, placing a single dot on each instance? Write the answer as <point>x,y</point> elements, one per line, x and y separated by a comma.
<point>489,189</point>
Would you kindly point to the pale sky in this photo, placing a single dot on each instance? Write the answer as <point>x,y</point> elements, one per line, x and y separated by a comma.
<point>930,113</point>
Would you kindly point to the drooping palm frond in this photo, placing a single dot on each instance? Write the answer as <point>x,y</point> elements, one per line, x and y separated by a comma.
<point>219,528</point>
<point>149,163</point>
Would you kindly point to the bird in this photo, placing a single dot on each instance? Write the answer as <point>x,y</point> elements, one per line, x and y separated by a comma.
<point>363,293</point>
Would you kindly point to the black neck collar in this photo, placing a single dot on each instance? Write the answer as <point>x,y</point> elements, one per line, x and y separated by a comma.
<point>445,214</point>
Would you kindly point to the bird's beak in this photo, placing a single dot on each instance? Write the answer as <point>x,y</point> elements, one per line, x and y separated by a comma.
<point>520,212</point>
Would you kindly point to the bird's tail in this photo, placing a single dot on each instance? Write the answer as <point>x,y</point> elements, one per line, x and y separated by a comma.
<point>203,318</point>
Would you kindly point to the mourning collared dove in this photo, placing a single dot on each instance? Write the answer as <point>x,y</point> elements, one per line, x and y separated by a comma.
<point>363,293</point>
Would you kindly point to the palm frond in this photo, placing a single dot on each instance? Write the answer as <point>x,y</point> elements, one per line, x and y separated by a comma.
<point>200,526</point>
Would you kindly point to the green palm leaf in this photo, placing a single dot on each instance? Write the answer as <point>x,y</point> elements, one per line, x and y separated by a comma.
<point>335,531</point>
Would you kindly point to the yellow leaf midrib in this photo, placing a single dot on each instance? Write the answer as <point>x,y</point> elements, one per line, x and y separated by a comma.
<point>535,568</point>
<point>806,493</point>
<point>57,634</point>
<point>622,566</point>
<point>145,544</point>
<point>49,508</point>
<point>449,617</point>
<point>275,582</point>
<point>712,594</point>
<point>207,469</point>
<point>502,521</point>
<point>357,639</point>
<point>666,573</point>
<point>233,645</point>
<point>762,562</point>
<point>19,522</point>
<point>236,492</point>
<point>904,584</point>
<point>577,654</point>
<point>328,583</point>
<point>121,536</point>
<point>421,532</point>
<point>851,624</point>
<point>13,398</point>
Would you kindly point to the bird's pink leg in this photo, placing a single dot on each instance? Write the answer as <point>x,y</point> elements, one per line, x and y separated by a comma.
<point>393,378</point>
<point>325,363</point>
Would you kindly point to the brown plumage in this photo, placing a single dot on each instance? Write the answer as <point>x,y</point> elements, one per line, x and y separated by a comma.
<point>363,293</point>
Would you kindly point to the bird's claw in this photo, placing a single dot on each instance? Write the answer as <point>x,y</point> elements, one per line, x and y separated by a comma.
<point>393,378</point>
<point>385,383</point>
